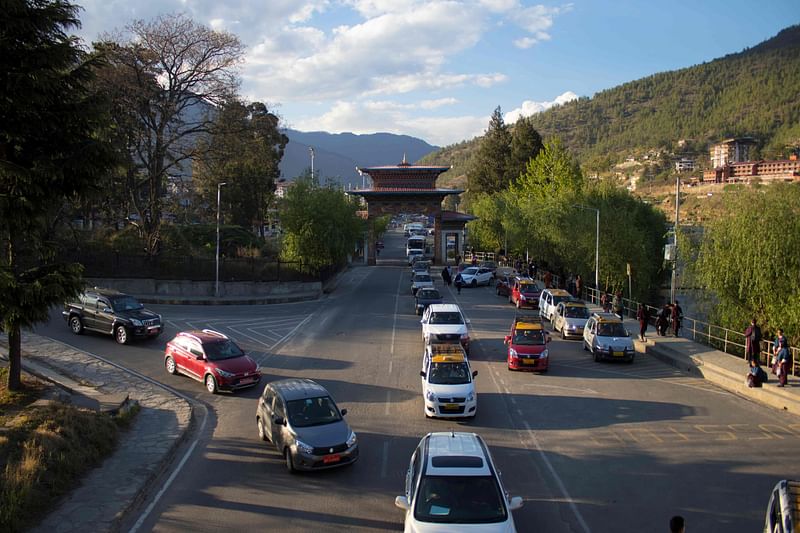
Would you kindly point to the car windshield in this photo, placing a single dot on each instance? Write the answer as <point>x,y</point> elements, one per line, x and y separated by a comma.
<point>459,500</point>
<point>312,412</point>
<point>222,349</point>
<point>528,337</point>
<point>422,278</point>
<point>446,317</point>
<point>558,299</point>
<point>576,312</point>
<point>488,264</point>
<point>428,294</point>
<point>471,271</point>
<point>528,288</point>
<point>126,303</point>
<point>448,373</point>
<point>614,329</point>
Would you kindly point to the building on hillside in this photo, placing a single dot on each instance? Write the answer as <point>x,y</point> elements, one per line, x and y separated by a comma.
<point>731,151</point>
<point>777,170</point>
<point>281,186</point>
<point>684,165</point>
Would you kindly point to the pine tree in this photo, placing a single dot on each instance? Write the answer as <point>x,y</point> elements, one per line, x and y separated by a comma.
<point>489,172</point>
<point>526,143</point>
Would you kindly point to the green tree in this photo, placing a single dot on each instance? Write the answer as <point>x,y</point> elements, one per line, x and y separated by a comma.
<point>243,150</point>
<point>748,260</point>
<point>52,147</point>
<point>526,143</point>
<point>320,224</point>
<point>489,168</point>
<point>553,170</point>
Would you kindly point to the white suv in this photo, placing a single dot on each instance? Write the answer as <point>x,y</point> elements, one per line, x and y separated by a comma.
<point>452,485</point>
<point>445,323</point>
<point>447,382</point>
<point>605,337</point>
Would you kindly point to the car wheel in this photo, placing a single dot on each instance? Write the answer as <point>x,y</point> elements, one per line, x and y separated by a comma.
<point>211,384</point>
<point>596,356</point>
<point>170,365</point>
<point>584,346</point>
<point>630,361</point>
<point>287,455</point>
<point>562,333</point>
<point>121,334</point>
<point>474,283</point>
<point>262,434</point>
<point>75,324</point>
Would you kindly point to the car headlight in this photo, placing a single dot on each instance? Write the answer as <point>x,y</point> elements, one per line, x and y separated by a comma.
<point>522,297</point>
<point>512,352</point>
<point>352,439</point>
<point>602,348</point>
<point>471,397</point>
<point>544,355</point>
<point>136,322</point>
<point>430,395</point>
<point>225,374</point>
<point>303,447</point>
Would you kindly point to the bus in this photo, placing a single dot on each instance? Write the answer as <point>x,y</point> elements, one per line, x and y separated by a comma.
<point>415,242</point>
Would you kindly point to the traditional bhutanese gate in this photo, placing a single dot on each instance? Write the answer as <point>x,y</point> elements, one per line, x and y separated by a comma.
<point>407,188</point>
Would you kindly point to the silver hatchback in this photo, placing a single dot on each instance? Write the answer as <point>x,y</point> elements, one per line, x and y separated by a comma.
<point>303,422</point>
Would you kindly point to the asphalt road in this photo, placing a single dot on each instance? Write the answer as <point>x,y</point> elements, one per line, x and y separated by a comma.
<point>591,447</point>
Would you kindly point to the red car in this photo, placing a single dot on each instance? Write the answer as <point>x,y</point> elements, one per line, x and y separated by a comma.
<point>527,344</point>
<point>525,292</point>
<point>212,358</point>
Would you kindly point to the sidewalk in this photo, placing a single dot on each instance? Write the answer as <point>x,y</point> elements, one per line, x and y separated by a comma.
<point>722,369</point>
<point>109,491</point>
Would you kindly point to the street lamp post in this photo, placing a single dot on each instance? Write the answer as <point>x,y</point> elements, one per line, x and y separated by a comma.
<point>216,278</point>
<point>311,151</point>
<point>673,283</point>
<point>596,246</point>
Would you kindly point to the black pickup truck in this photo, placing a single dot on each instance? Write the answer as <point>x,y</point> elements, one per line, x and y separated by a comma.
<point>111,312</point>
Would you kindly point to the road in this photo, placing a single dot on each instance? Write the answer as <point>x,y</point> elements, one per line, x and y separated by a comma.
<point>591,447</point>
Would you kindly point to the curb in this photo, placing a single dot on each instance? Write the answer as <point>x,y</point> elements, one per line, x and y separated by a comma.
<point>150,299</point>
<point>696,365</point>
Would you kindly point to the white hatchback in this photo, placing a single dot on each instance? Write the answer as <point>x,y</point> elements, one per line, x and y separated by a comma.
<point>448,386</point>
<point>452,485</point>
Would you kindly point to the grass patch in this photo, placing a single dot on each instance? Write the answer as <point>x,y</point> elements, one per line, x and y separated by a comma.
<point>45,450</point>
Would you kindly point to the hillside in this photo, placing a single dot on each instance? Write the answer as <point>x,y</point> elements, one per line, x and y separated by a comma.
<point>336,155</point>
<point>753,93</point>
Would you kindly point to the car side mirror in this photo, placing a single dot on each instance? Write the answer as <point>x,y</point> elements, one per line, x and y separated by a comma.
<point>402,503</point>
<point>108,310</point>
<point>548,339</point>
<point>423,321</point>
<point>507,339</point>
<point>474,373</point>
<point>422,373</point>
<point>279,420</point>
<point>515,503</point>
<point>469,321</point>
<point>343,411</point>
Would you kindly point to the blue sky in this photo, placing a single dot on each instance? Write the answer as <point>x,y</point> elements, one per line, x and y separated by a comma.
<point>437,69</point>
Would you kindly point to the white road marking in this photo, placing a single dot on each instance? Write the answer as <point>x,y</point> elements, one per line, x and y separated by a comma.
<point>555,475</point>
<point>570,389</point>
<point>388,401</point>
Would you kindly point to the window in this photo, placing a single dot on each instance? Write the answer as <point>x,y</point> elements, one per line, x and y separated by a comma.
<point>577,312</point>
<point>279,409</point>
<point>222,349</point>
<point>446,317</point>
<point>528,337</point>
<point>460,499</point>
<point>448,373</point>
<point>312,412</point>
<point>614,329</point>
<point>89,299</point>
<point>125,303</point>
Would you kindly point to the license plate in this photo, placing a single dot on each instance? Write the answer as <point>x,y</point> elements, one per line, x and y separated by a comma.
<point>451,406</point>
<point>247,380</point>
<point>619,354</point>
<point>528,361</point>
<point>333,458</point>
<point>153,328</point>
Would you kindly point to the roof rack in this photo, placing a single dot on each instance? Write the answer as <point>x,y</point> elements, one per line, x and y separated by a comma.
<point>216,333</point>
<point>527,317</point>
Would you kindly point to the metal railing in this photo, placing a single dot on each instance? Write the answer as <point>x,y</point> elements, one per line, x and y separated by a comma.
<point>723,339</point>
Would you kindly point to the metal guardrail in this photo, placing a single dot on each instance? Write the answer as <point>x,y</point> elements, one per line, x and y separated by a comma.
<point>723,339</point>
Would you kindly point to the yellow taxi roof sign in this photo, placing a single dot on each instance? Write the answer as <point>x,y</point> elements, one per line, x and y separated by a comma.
<point>528,325</point>
<point>574,304</point>
<point>448,358</point>
<point>559,292</point>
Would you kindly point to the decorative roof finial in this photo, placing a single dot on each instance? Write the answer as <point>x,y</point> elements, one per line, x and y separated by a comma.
<point>404,159</point>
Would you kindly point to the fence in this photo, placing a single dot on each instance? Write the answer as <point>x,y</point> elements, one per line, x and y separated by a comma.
<point>196,268</point>
<point>722,339</point>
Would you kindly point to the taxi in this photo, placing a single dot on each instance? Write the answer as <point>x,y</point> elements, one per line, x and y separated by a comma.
<point>527,344</point>
<point>525,292</point>
<point>570,318</point>
<point>605,337</point>
<point>448,386</point>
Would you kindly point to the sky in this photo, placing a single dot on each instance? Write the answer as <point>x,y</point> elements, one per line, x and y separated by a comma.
<point>437,69</point>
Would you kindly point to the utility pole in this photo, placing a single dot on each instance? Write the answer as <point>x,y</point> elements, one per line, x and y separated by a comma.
<point>216,276</point>
<point>673,288</point>
<point>311,151</point>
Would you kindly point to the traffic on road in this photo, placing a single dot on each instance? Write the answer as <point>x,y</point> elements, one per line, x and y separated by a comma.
<point>355,406</point>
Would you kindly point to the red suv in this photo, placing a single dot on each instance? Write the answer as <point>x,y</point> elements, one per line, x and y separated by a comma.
<point>212,358</point>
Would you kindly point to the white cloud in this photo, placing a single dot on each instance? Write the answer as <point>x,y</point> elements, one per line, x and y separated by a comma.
<point>371,117</point>
<point>536,20</point>
<point>530,107</point>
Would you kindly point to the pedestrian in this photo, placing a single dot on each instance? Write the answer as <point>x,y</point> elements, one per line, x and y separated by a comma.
<point>677,524</point>
<point>676,316</point>
<point>617,305</point>
<point>578,286</point>
<point>752,342</point>
<point>756,376</point>
<point>662,320</point>
<point>571,285</point>
<point>643,316</point>
<point>780,359</point>
<point>605,302</point>
<point>548,280</point>
<point>458,260</point>
<point>458,282</point>
<point>446,276</point>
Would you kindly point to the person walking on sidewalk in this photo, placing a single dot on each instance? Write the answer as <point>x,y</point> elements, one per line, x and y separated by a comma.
<point>616,305</point>
<point>643,316</point>
<point>780,349</point>
<point>578,286</point>
<point>752,336</point>
<point>662,319</point>
<point>677,316</point>
<point>446,276</point>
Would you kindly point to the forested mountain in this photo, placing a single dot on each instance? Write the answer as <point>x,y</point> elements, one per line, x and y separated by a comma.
<point>753,93</point>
